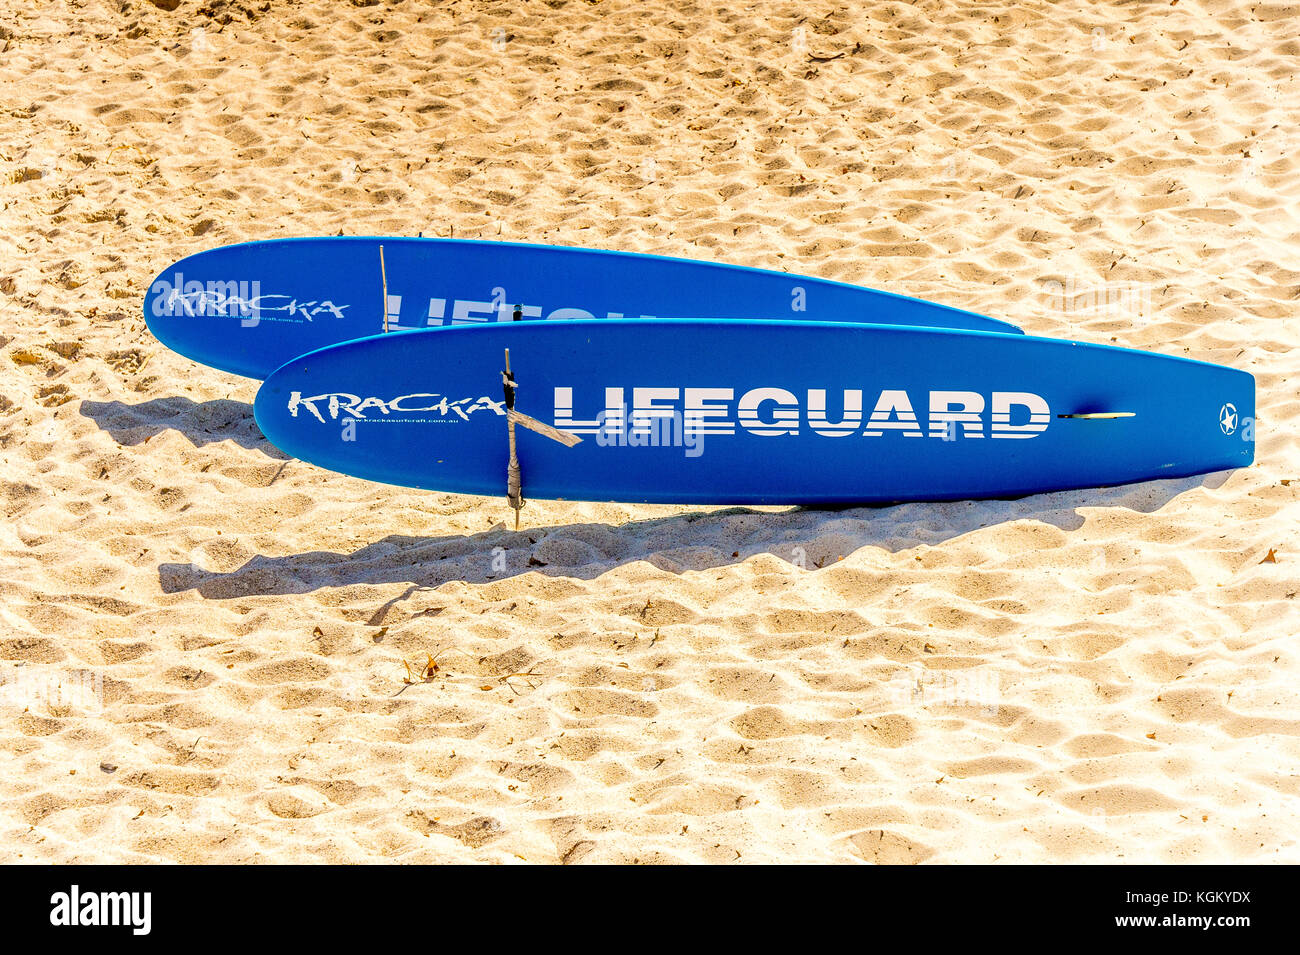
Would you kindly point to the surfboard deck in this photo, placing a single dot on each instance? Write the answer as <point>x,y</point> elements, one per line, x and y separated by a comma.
<point>708,411</point>
<point>250,307</point>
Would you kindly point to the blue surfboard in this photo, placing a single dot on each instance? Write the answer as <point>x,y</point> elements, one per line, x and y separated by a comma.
<point>710,411</point>
<point>249,308</point>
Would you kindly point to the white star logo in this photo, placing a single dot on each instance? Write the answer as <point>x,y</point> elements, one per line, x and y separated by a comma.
<point>1228,419</point>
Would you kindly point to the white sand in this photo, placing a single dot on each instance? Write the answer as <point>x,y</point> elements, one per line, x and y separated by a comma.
<point>1085,676</point>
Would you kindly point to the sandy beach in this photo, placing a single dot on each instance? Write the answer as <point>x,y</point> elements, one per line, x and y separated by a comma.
<point>203,643</point>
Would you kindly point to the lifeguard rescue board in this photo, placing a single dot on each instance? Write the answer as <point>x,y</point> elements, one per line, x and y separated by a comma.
<point>250,307</point>
<point>764,412</point>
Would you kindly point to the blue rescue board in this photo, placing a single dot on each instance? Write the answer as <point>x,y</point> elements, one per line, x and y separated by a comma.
<point>709,411</point>
<point>249,308</point>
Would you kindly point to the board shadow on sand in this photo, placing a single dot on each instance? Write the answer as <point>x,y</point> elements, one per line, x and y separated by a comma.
<point>202,422</point>
<point>804,538</point>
